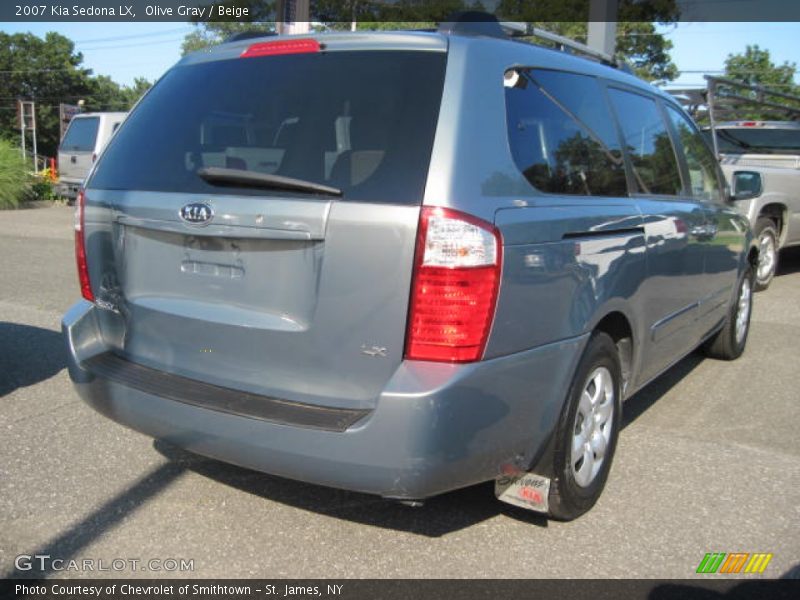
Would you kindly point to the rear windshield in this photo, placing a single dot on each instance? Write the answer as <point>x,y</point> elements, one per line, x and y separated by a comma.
<point>757,141</point>
<point>362,122</point>
<point>81,135</point>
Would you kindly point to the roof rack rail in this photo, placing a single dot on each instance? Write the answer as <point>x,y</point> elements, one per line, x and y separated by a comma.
<point>565,44</point>
<point>486,24</point>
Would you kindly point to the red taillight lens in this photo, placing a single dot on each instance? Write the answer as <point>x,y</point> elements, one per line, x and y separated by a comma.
<point>80,249</point>
<point>454,287</point>
<point>302,46</point>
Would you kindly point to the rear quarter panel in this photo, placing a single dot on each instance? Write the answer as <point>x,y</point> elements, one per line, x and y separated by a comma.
<point>553,287</point>
<point>559,279</point>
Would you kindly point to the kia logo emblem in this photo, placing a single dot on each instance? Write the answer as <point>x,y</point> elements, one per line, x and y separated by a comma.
<point>197,213</point>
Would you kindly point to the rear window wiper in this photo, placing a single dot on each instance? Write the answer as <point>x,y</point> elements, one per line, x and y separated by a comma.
<point>733,139</point>
<point>241,177</point>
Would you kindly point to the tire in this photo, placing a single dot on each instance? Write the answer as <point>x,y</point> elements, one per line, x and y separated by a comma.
<point>766,234</point>
<point>577,484</point>
<point>730,341</point>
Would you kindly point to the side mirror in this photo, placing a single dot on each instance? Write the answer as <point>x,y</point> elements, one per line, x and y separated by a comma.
<point>746,185</point>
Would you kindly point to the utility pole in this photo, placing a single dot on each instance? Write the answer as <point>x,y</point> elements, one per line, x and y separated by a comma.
<point>21,123</point>
<point>33,131</point>
<point>603,16</point>
<point>293,16</point>
<point>26,112</point>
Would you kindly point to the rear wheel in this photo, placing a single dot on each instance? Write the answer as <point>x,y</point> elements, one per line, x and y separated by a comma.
<point>767,236</point>
<point>729,343</point>
<point>587,431</point>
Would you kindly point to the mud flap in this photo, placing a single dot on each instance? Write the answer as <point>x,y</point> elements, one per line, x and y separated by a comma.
<point>526,490</point>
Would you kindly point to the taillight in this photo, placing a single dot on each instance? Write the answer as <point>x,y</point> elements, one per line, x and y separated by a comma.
<point>80,249</point>
<point>276,48</point>
<point>454,286</point>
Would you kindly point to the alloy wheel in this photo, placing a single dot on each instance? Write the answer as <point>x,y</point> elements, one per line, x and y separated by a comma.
<point>594,421</point>
<point>766,256</point>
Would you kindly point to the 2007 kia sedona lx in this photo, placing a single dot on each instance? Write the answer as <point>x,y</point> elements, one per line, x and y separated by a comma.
<point>402,263</point>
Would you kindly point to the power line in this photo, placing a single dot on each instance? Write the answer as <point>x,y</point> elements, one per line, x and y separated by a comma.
<point>75,69</point>
<point>43,70</point>
<point>136,45</point>
<point>136,35</point>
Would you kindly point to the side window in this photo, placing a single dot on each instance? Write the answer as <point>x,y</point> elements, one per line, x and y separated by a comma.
<point>655,167</point>
<point>561,134</point>
<point>699,160</point>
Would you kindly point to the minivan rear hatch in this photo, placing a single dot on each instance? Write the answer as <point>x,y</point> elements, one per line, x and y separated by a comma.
<point>222,272</point>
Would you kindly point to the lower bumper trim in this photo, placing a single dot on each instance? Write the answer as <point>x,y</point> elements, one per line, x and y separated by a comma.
<point>221,399</point>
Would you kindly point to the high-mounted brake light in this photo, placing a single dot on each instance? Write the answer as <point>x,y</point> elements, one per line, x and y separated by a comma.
<point>276,48</point>
<point>454,287</point>
<point>80,248</point>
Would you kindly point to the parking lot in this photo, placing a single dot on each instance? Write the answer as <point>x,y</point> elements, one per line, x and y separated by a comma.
<point>708,461</point>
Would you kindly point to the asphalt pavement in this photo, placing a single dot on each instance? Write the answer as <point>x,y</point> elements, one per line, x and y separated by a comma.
<point>708,461</point>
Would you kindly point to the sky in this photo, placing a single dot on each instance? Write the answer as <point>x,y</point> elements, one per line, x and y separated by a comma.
<point>125,51</point>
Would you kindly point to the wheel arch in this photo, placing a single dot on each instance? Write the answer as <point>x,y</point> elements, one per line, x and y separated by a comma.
<point>752,254</point>
<point>619,327</point>
<point>778,212</point>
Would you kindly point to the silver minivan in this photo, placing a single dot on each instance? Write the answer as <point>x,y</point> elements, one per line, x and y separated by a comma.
<point>84,139</point>
<point>402,263</point>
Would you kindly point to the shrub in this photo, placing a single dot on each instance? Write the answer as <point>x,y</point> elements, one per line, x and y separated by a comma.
<point>41,187</point>
<point>14,177</point>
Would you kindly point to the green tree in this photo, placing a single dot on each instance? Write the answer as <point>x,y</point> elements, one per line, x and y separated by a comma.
<point>261,19</point>
<point>132,93</point>
<point>105,95</point>
<point>638,42</point>
<point>754,66</point>
<point>212,33</point>
<point>47,71</point>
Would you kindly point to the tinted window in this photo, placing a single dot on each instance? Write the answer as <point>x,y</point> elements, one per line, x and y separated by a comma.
<point>561,134</point>
<point>699,159</point>
<point>81,135</point>
<point>647,141</point>
<point>360,121</point>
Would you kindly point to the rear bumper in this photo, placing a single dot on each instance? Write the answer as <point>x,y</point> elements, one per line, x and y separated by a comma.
<point>68,189</point>
<point>434,428</point>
